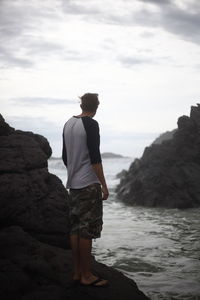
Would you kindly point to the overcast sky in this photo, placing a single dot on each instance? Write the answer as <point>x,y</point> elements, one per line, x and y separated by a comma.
<point>141,56</point>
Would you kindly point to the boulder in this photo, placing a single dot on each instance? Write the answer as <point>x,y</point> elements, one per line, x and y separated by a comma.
<point>34,270</point>
<point>30,196</point>
<point>168,173</point>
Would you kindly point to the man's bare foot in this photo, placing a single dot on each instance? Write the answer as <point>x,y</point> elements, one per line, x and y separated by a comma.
<point>94,281</point>
<point>76,277</point>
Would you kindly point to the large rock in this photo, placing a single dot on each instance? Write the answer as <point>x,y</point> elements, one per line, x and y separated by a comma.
<point>29,195</point>
<point>168,174</point>
<point>31,270</point>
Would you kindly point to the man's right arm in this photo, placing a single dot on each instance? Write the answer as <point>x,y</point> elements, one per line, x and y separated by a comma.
<point>98,169</point>
<point>93,143</point>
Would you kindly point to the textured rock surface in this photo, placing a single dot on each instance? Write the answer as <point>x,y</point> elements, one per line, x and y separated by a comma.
<point>33,270</point>
<point>34,261</point>
<point>168,174</point>
<point>30,196</point>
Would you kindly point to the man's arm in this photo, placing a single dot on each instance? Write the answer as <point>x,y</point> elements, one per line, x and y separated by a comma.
<point>93,143</point>
<point>98,169</point>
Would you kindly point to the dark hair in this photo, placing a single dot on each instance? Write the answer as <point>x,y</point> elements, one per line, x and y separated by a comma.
<point>89,102</point>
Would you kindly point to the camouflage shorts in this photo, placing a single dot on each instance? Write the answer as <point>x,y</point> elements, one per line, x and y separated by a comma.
<point>85,211</point>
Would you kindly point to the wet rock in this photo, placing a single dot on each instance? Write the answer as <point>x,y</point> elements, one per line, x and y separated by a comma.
<point>168,174</point>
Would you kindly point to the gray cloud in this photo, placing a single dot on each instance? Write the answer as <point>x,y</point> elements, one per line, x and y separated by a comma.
<point>137,60</point>
<point>41,101</point>
<point>77,7</point>
<point>20,23</point>
<point>183,22</point>
<point>129,61</point>
<point>10,59</point>
<point>157,2</point>
<point>22,46</point>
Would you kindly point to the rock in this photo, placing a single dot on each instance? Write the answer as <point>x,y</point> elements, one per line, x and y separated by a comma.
<point>41,140</point>
<point>33,270</point>
<point>168,174</point>
<point>168,135</point>
<point>5,129</point>
<point>29,195</point>
<point>111,155</point>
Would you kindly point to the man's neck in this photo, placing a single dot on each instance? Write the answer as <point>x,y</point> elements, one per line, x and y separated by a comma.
<point>86,114</point>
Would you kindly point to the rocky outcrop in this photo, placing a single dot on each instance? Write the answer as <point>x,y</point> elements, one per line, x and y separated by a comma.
<point>35,260</point>
<point>33,270</point>
<point>168,174</point>
<point>30,196</point>
<point>168,135</point>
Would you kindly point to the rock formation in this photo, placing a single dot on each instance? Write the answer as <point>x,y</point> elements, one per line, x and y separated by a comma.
<point>168,174</point>
<point>30,196</point>
<point>35,259</point>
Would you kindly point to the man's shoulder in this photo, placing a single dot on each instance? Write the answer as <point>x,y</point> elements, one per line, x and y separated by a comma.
<point>90,121</point>
<point>70,120</point>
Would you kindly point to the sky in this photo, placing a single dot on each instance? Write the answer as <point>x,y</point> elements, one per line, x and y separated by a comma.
<point>141,56</point>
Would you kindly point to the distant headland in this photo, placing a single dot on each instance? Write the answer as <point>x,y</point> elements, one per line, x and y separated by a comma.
<point>103,155</point>
<point>111,155</point>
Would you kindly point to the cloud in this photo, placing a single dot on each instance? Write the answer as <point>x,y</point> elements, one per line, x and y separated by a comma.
<point>129,61</point>
<point>78,8</point>
<point>157,2</point>
<point>9,59</point>
<point>135,60</point>
<point>40,101</point>
<point>182,21</point>
<point>21,24</point>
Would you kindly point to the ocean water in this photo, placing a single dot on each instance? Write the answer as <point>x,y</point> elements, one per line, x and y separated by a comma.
<point>158,248</point>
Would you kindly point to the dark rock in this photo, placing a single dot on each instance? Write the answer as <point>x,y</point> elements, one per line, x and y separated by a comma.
<point>29,195</point>
<point>5,129</point>
<point>33,270</point>
<point>41,140</point>
<point>168,174</point>
<point>168,135</point>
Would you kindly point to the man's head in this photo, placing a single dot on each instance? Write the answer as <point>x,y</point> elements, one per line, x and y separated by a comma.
<point>89,102</point>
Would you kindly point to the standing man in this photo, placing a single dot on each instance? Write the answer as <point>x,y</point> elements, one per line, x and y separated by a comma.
<point>87,187</point>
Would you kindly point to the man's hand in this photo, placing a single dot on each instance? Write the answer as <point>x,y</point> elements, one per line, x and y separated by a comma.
<point>105,192</point>
<point>98,169</point>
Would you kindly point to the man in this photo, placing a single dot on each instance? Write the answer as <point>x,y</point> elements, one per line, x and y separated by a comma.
<point>87,187</point>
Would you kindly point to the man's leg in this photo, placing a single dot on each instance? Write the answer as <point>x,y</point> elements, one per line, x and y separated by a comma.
<point>87,277</point>
<point>74,242</point>
<point>85,248</point>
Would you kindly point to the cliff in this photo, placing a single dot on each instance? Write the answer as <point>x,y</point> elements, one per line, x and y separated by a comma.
<point>168,174</point>
<point>35,259</point>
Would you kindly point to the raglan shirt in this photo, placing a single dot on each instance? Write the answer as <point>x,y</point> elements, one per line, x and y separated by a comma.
<point>81,142</point>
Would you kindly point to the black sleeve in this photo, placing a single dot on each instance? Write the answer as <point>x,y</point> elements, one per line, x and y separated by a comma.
<point>64,152</point>
<point>93,139</point>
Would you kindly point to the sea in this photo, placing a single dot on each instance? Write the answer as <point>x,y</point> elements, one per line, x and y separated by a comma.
<point>156,247</point>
